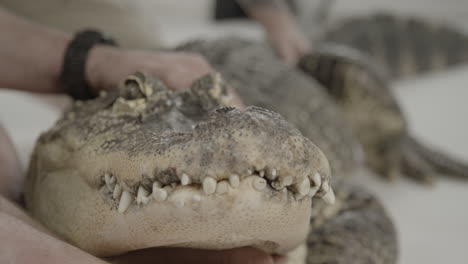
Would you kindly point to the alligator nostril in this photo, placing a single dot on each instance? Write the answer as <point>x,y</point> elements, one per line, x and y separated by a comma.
<point>225,109</point>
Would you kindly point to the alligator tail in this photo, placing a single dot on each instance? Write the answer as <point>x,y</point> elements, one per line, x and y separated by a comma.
<point>440,162</point>
<point>404,46</point>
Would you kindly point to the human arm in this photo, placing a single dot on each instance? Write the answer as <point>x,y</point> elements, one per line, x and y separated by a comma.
<point>29,242</point>
<point>31,57</point>
<point>283,31</point>
<point>11,179</point>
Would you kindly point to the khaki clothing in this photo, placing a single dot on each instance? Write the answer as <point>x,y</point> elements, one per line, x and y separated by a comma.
<point>130,22</point>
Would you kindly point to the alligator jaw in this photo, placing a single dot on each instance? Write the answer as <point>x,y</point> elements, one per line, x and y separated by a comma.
<point>148,167</point>
<point>123,197</point>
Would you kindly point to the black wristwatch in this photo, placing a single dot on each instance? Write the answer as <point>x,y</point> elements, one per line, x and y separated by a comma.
<point>73,75</point>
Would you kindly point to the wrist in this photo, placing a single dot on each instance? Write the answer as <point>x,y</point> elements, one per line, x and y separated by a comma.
<point>56,47</point>
<point>75,73</point>
<point>101,58</point>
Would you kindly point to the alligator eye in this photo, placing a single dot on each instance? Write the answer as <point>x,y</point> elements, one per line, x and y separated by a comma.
<point>131,90</point>
<point>133,87</point>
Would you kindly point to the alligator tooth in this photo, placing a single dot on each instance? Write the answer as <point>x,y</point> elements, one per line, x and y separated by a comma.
<point>142,195</point>
<point>179,203</point>
<point>110,187</point>
<point>325,186</point>
<point>234,180</point>
<point>131,104</point>
<point>317,179</point>
<point>159,194</point>
<point>157,184</point>
<point>117,192</point>
<point>222,187</point>
<point>329,196</point>
<point>196,198</point>
<point>168,188</point>
<point>277,185</point>
<point>261,173</point>
<point>259,183</point>
<point>313,191</point>
<point>185,179</point>
<point>125,201</point>
<point>209,185</point>
<point>249,171</point>
<point>107,178</point>
<point>303,187</point>
<point>109,181</point>
<point>287,180</point>
<point>298,196</point>
<point>272,176</point>
<point>173,184</point>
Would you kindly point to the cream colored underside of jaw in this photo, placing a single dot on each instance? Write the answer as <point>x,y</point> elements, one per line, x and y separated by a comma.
<point>240,217</point>
<point>191,215</point>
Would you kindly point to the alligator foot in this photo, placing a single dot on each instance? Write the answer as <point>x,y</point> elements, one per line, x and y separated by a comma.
<point>416,161</point>
<point>359,232</point>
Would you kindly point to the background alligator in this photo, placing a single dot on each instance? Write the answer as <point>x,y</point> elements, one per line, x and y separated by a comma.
<point>402,46</point>
<point>348,98</point>
<point>347,104</point>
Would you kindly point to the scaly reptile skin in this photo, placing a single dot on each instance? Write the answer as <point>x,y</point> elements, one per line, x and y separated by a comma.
<point>345,87</point>
<point>403,46</point>
<point>354,106</point>
<point>356,229</point>
<point>145,166</point>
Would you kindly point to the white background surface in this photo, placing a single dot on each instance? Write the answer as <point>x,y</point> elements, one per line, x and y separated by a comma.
<point>432,221</point>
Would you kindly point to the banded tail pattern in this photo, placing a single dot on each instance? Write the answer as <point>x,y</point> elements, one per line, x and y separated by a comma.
<point>403,46</point>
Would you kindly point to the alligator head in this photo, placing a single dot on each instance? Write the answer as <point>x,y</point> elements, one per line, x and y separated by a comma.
<point>143,166</point>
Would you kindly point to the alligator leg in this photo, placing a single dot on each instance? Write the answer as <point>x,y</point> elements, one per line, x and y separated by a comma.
<point>439,162</point>
<point>359,232</point>
<point>416,166</point>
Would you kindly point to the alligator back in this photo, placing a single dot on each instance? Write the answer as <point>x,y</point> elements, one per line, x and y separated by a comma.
<point>261,79</point>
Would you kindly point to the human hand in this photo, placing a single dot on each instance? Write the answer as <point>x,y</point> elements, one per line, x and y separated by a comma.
<point>288,40</point>
<point>11,176</point>
<point>107,66</point>
<point>26,235</point>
